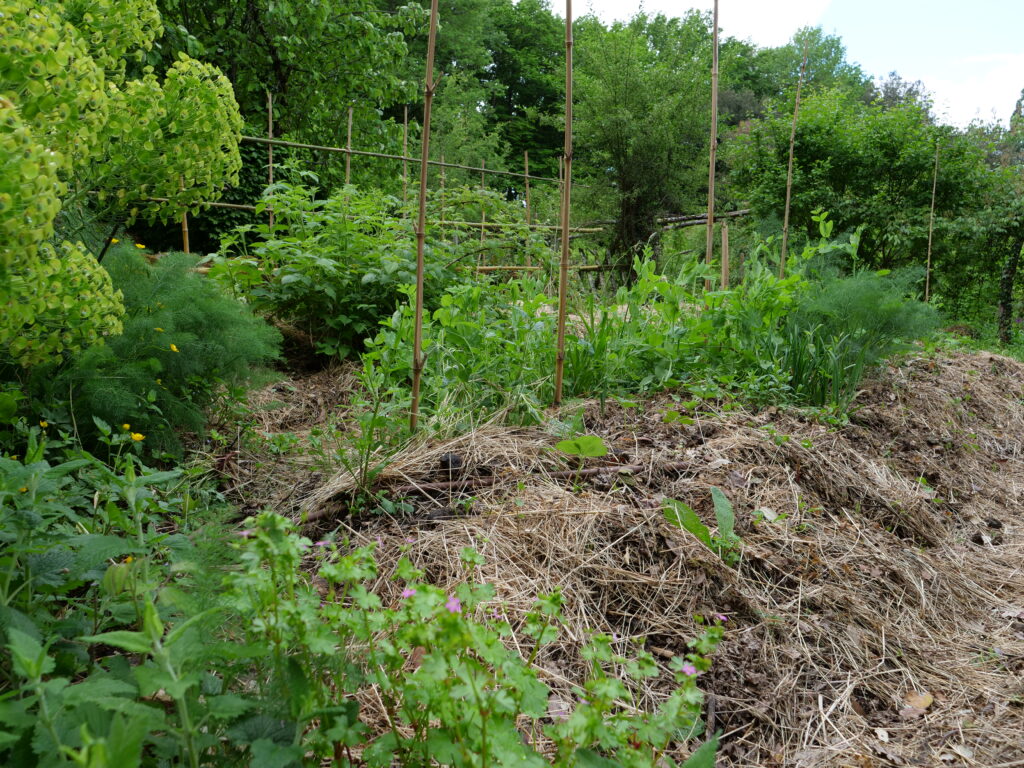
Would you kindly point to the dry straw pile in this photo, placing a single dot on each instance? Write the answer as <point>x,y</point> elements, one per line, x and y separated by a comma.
<point>877,615</point>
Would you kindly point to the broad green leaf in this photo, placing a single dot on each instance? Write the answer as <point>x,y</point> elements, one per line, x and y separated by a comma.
<point>723,514</point>
<point>134,642</point>
<point>584,446</point>
<point>681,515</point>
<point>704,755</point>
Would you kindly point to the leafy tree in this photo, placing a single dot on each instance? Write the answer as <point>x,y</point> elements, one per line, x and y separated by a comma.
<point>865,164</point>
<point>642,117</point>
<point>316,58</point>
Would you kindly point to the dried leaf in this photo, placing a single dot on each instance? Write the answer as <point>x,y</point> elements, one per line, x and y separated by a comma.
<point>918,699</point>
<point>911,713</point>
<point>964,751</point>
<point>882,734</point>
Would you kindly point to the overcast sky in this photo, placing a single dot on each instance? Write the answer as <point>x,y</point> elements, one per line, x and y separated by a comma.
<point>969,55</point>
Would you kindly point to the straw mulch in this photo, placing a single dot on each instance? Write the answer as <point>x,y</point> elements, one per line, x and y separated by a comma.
<point>877,615</point>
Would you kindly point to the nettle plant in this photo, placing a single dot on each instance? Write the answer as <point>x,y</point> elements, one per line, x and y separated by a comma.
<point>74,131</point>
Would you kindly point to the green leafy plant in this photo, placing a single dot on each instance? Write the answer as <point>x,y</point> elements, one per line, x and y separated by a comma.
<point>184,344</point>
<point>726,543</point>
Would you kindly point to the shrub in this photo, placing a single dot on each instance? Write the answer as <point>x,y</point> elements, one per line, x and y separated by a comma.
<point>183,340</point>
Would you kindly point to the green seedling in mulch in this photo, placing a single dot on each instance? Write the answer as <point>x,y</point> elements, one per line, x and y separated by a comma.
<point>727,543</point>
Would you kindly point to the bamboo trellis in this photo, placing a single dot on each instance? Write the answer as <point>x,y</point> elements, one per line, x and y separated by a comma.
<point>563,272</point>
<point>710,234</point>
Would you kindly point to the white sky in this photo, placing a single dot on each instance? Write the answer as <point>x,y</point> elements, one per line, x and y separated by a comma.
<point>970,56</point>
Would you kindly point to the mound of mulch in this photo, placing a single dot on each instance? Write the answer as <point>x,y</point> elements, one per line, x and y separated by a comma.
<point>877,615</point>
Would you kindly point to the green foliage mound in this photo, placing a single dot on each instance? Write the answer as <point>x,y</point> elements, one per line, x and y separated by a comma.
<point>183,339</point>
<point>336,267</point>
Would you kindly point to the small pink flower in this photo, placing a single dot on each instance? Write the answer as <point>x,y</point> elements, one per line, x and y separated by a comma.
<point>410,540</point>
<point>454,605</point>
<point>688,669</point>
<point>244,534</point>
<point>408,592</point>
<point>323,543</point>
<point>721,617</point>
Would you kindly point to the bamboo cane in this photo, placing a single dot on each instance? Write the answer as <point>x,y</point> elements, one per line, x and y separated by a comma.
<point>441,225</point>
<point>348,150</point>
<point>789,169</point>
<point>931,228</point>
<point>421,225</point>
<point>483,210</point>
<point>405,152</point>
<point>386,156</point>
<point>526,176</point>
<point>563,271</point>
<point>184,219</point>
<point>709,246</point>
<point>725,257</point>
<point>270,152</point>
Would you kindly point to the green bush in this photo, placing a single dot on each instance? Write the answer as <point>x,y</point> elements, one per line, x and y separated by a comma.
<point>336,267</point>
<point>183,340</point>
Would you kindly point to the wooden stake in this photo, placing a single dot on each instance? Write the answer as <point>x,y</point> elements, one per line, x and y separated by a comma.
<point>725,257</point>
<point>441,226</point>
<point>348,150</point>
<point>526,175</point>
<point>789,170</point>
<point>270,150</point>
<point>421,223</point>
<point>483,210</point>
<point>405,152</point>
<point>709,246</point>
<point>184,219</point>
<point>931,228</point>
<point>563,271</point>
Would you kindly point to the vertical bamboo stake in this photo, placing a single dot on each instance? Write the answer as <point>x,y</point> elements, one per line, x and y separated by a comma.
<point>441,226</point>
<point>270,149</point>
<point>348,148</point>
<point>931,228</point>
<point>184,219</point>
<point>725,257</point>
<point>709,245</point>
<point>526,172</point>
<point>563,269</point>
<point>483,211</point>
<point>405,155</point>
<point>789,170</point>
<point>421,223</point>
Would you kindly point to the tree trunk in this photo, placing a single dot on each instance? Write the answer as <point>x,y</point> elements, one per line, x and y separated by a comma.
<point>1006,283</point>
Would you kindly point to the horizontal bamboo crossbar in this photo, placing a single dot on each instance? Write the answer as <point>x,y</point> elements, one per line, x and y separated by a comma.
<point>386,156</point>
<point>498,225</point>
<point>515,268</point>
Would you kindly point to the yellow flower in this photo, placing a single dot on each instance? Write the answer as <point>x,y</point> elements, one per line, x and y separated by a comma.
<point>129,559</point>
<point>159,330</point>
<point>139,245</point>
<point>44,424</point>
<point>138,437</point>
<point>159,381</point>
<point>114,240</point>
<point>23,489</point>
<point>126,426</point>
<point>174,348</point>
